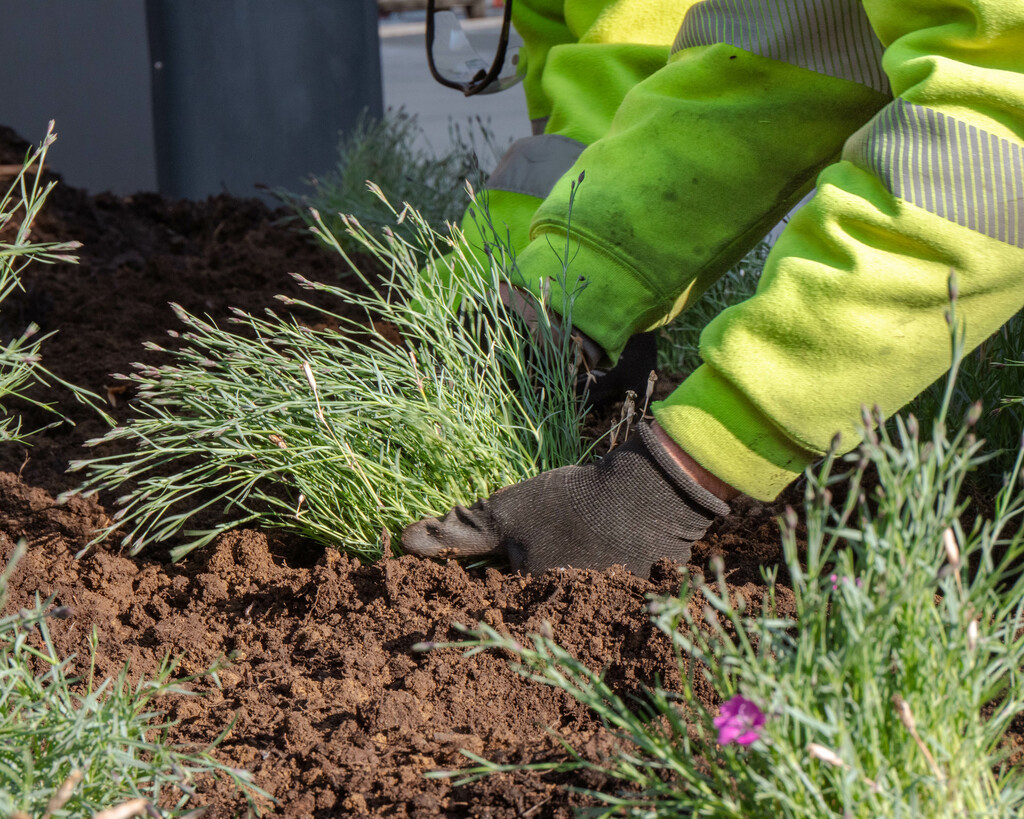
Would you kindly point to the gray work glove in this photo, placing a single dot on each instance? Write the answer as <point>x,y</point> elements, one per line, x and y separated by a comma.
<point>633,507</point>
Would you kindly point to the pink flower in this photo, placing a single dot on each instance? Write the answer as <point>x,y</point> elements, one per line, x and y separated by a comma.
<point>739,721</point>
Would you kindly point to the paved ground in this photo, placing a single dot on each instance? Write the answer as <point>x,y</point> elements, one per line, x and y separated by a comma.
<point>408,84</point>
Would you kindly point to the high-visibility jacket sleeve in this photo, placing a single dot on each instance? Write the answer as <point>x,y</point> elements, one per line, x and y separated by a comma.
<point>622,30</point>
<point>542,25</point>
<point>850,310</point>
<point>704,155</point>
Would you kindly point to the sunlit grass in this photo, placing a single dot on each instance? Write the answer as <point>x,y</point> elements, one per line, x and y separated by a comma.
<point>427,394</point>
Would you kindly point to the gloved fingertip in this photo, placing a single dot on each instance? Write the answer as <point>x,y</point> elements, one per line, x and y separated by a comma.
<point>422,539</point>
<point>463,532</point>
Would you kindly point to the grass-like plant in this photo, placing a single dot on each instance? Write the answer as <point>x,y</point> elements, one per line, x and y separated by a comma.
<point>426,395</point>
<point>389,151</point>
<point>886,688</point>
<point>20,356</point>
<point>72,745</point>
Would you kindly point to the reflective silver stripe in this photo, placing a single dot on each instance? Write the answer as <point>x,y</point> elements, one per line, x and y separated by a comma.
<point>947,167</point>
<point>831,37</point>
<point>533,165</point>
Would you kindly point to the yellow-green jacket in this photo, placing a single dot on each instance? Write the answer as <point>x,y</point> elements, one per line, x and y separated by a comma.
<point>700,124</point>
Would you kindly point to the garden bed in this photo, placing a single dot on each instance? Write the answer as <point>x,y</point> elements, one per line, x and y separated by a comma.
<point>333,711</point>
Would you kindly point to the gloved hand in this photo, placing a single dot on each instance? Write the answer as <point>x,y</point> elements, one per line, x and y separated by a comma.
<point>596,383</point>
<point>633,507</point>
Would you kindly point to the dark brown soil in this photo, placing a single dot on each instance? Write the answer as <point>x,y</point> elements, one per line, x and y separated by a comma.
<point>335,714</point>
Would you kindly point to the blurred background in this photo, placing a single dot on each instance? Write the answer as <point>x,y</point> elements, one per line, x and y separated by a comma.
<point>192,98</point>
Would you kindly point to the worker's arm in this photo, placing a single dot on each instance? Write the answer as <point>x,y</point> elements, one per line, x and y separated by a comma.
<point>704,157</point>
<point>707,153</point>
<point>851,306</point>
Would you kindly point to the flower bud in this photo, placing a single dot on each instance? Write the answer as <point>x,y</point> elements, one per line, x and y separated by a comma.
<point>826,755</point>
<point>865,417</point>
<point>837,439</point>
<point>954,286</point>
<point>790,517</point>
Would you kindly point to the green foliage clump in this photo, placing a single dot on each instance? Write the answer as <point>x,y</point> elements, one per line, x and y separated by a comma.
<point>72,746</point>
<point>425,396</point>
<point>386,151</point>
<point>20,357</point>
<point>887,682</point>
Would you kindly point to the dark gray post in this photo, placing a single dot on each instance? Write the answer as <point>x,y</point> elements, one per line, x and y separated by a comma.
<point>250,92</point>
<point>84,65</point>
